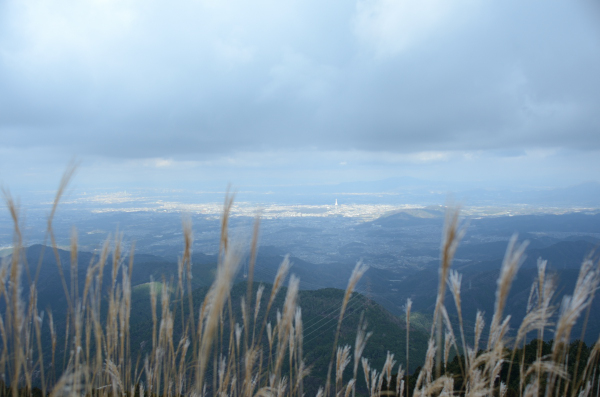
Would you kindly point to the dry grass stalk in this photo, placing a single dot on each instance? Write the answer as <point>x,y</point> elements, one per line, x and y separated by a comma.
<point>349,388</point>
<point>301,370</point>
<point>479,325</point>
<point>282,272</point>
<point>512,261</point>
<point>448,342</point>
<point>341,362</point>
<point>357,273</point>
<point>407,309</point>
<point>387,369</point>
<point>252,263</point>
<point>454,282</point>
<point>217,298</point>
<point>426,374</point>
<point>367,371</point>
<point>537,315</point>
<point>285,325</point>
<point>188,238</point>
<point>400,381</point>
<point>570,311</point>
<point>451,238</point>
<point>374,382</point>
<point>573,306</point>
<point>362,336</point>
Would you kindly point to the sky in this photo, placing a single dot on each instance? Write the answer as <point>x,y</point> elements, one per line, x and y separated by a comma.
<point>196,94</point>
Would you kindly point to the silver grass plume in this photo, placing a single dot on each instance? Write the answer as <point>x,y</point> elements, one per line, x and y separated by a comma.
<point>451,238</point>
<point>572,307</point>
<point>259,293</point>
<point>512,261</point>
<point>357,273</point>
<point>238,335</point>
<point>350,387</point>
<point>362,336</point>
<point>218,293</point>
<point>367,371</point>
<point>426,373</point>
<point>455,282</point>
<point>400,381</point>
<point>448,341</point>
<point>341,362</point>
<point>387,369</point>
<point>283,329</point>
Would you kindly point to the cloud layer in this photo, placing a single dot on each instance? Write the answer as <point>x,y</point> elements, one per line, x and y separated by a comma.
<point>207,80</point>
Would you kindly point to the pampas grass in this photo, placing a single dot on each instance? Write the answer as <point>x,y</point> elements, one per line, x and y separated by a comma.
<point>216,354</point>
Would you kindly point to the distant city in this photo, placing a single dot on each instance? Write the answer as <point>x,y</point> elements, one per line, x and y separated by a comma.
<point>319,233</point>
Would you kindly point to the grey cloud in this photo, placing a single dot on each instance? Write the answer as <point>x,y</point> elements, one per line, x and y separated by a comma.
<point>203,81</point>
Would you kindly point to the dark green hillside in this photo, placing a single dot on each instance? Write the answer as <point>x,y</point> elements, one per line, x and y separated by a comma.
<point>480,281</point>
<point>375,282</point>
<point>320,307</point>
<point>417,217</point>
<point>560,255</point>
<point>320,313</point>
<point>575,222</point>
<point>49,283</point>
<point>563,255</point>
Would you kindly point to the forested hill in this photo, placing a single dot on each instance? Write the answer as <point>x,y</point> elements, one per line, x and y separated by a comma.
<point>320,314</point>
<point>320,308</point>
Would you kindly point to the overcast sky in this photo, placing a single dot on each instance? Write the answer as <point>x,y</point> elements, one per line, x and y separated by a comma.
<point>186,93</point>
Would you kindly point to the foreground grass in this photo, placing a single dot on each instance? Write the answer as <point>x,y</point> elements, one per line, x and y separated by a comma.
<point>256,346</point>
